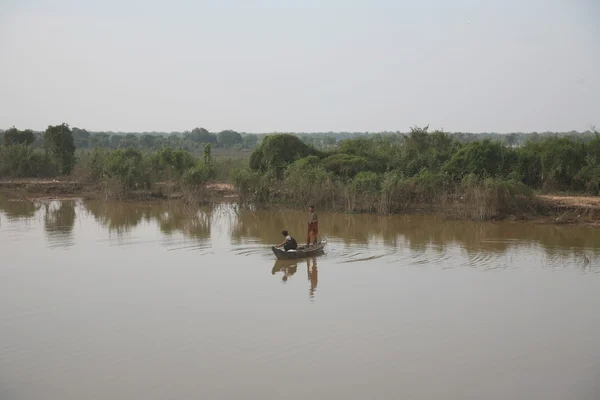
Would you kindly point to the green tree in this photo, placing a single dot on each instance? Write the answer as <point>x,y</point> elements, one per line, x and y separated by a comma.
<point>207,153</point>
<point>102,140</point>
<point>278,151</point>
<point>59,143</point>
<point>201,135</point>
<point>329,141</point>
<point>249,141</point>
<point>81,138</point>
<point>13,136</point>
<point>229,138</point>
<point>116,141</point>
<point>149,141</point>
<point>131,141</point>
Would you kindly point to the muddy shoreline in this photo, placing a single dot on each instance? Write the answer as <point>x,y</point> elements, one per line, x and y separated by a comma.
<point>54,189</point>
<point>558,209</point>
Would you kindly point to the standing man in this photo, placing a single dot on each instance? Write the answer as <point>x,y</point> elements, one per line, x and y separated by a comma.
<point>313,226</point>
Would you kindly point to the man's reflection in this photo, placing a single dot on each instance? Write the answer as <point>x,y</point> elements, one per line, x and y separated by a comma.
<point>287,268</point>
<point>313,276</point>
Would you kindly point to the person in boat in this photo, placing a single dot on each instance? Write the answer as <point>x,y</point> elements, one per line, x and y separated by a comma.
<point>289,243</point>
<point>313,227</point>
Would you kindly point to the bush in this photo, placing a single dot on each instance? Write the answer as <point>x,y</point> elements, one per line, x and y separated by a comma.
<point>254,186</point>
<point>278,151</point>
<point>169,163</point>
<point>307,182</point>
<point>21,161</point>
<point>198,176</point>
<point>367,182</point>
<point>485,158</point>
<point>345,165</point>
<point>128,167</point>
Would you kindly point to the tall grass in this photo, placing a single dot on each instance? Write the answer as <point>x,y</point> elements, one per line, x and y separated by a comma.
<point>472,197</point>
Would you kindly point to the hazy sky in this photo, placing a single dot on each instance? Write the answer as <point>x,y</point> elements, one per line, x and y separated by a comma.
<point>304,65</point>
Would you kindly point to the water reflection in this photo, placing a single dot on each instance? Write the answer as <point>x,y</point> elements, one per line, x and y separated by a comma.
<point>171,217</point>
<point>59,220</point>
<point>118,217</point>
<point>313,277</point>
<point>419,234</point>
<point>411,240</point>
<point>287,268</point>
<point>15,210</point>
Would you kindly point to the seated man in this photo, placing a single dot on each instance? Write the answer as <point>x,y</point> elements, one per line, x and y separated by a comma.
<point>289,243</point>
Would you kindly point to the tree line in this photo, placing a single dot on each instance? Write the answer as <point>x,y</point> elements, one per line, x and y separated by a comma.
<point>195,140</point>
<point>385,172</point>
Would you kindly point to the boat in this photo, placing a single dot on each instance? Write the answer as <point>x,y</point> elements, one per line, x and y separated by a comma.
<point>300,252</point>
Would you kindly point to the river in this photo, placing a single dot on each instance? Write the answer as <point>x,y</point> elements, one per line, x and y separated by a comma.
<point>136,301</point>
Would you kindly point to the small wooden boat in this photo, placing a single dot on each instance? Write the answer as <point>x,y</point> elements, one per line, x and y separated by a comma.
<point>300,252</point>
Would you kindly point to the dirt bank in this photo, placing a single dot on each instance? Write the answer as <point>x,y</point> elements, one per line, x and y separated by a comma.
<point>583,202</point>
<point>49,189</point>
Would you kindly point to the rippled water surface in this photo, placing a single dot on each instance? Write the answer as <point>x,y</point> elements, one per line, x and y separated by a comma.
<point>121,301</point>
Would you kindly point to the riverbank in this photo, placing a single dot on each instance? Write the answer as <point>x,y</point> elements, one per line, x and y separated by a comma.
<point>57,189</point>
<point>549,208</point>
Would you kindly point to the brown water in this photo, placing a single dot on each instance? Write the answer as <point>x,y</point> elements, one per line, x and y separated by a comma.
<point>114,301</point>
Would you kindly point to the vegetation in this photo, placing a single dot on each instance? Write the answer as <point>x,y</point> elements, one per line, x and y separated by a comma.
<point>420,170</point>
<point>59,143</point>
<point>383,173</point>
<point>195,139</point>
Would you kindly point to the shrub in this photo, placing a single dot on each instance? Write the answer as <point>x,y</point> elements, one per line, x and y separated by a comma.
<point>169,163</point>
<point>21,161</point>
<point>278,151</point>
<point>198,176</point>
<point>367,182</point>
<point>485,158</point>
<point>345,165</point>
<point>128,167</point>
<point>307,182</point>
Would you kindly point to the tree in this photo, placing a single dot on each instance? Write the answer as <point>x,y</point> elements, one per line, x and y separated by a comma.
<point>201,135</point>
<point>59,142</point>
<point>278,151</point>
<point>100,140</point>
<point>27,137</point>
<point>250,141</point>
<point>511,139</point>
<point>13,136</point>
<point>116,141</point>
<point>207,153</point>
<point>329,142</point>
<point>229,138</point>
<point>149,141</point>
<point>131,140</point>
<point>81,138</point>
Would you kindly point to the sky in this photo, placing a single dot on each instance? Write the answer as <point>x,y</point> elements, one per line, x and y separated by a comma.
<point>300,66</point>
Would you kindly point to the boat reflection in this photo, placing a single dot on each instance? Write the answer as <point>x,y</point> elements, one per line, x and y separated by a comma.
<point>289,267</point>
